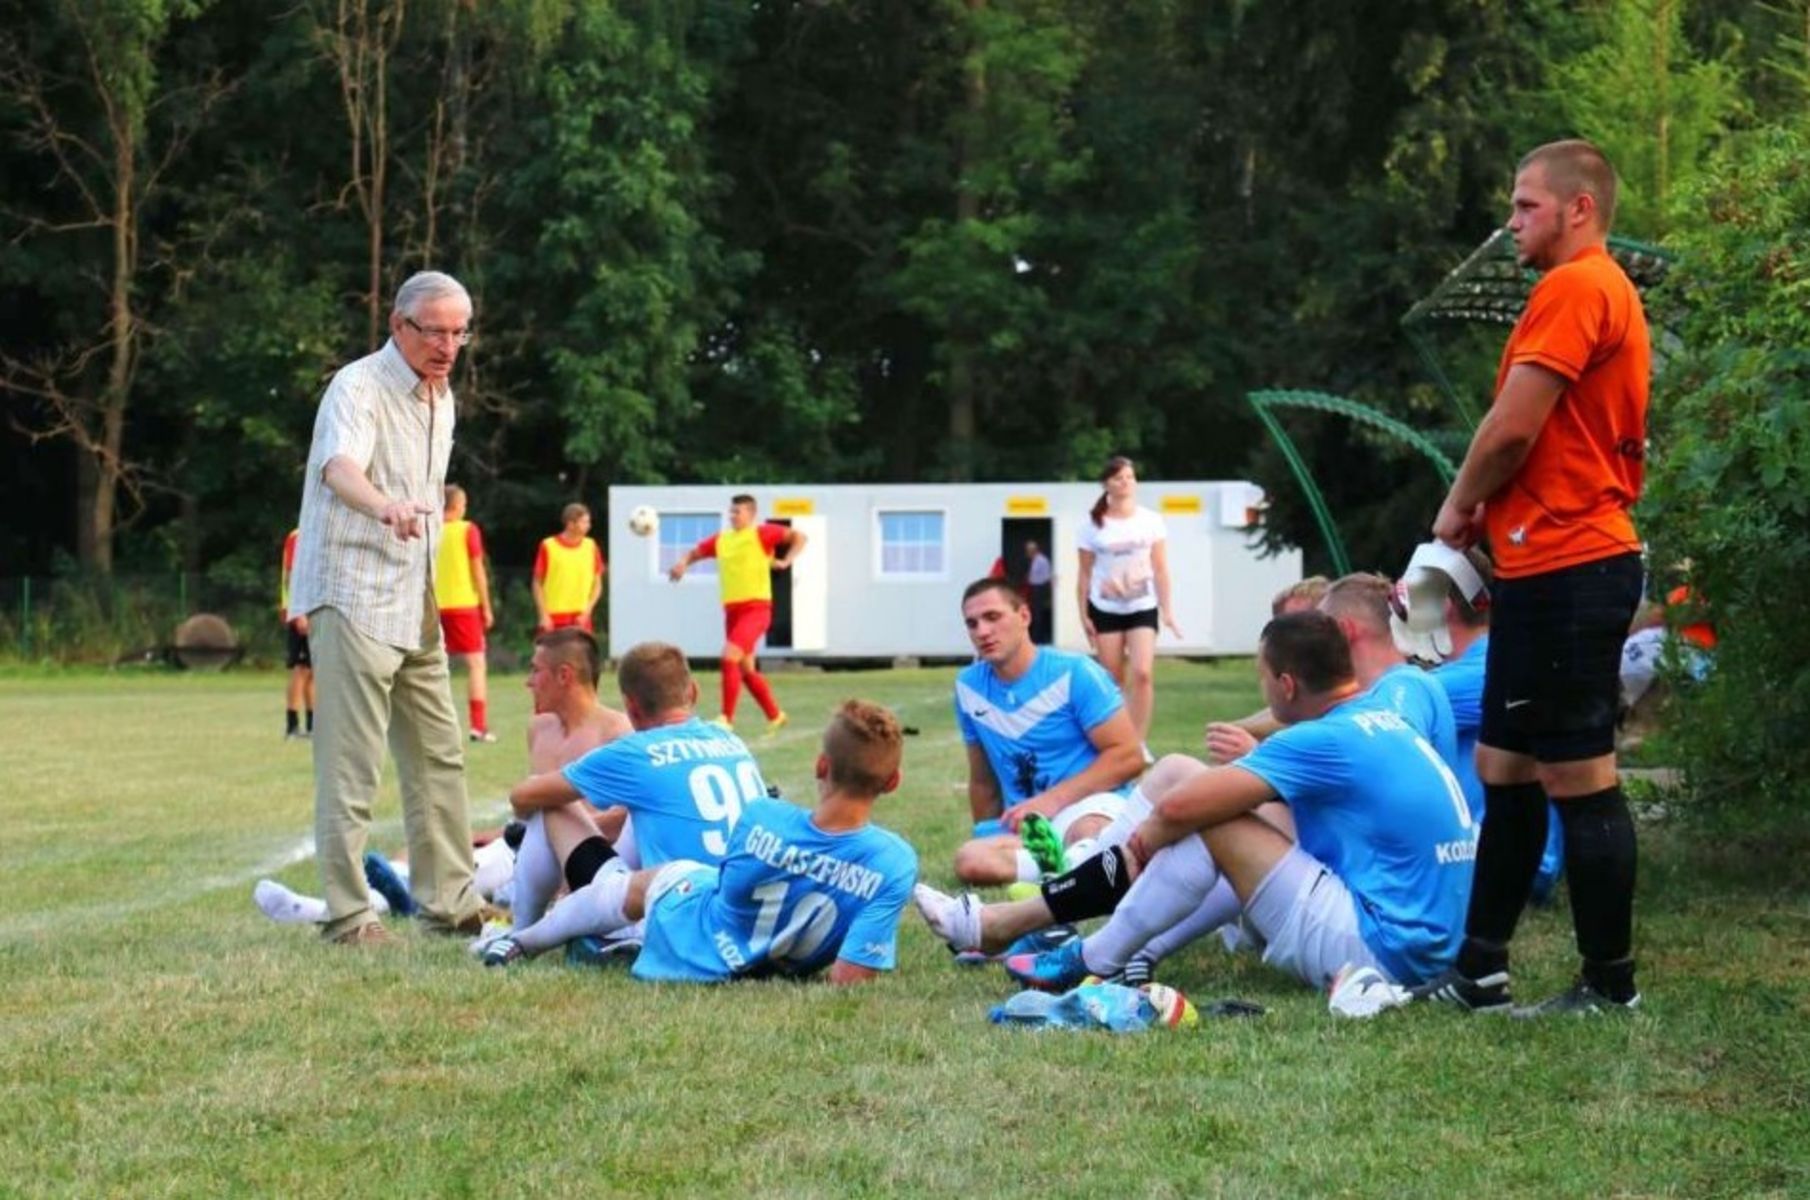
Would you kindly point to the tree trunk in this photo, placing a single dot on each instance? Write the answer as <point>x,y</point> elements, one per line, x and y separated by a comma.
<point>960,382</point>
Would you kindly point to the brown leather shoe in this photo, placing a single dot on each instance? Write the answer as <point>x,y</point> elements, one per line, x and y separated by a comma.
<point>369,934</point>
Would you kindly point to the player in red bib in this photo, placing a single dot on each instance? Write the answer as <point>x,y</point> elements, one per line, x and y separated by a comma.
<point>295,651</point>
<point>568,573</point>
<point>746,553</point>
<point>462,592</point>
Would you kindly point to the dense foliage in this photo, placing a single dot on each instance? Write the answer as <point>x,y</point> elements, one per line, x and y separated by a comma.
<point>1729,505</point>
<point>713,240</point>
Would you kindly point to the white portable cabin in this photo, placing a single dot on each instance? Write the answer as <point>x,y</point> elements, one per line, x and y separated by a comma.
<point>883,570</point>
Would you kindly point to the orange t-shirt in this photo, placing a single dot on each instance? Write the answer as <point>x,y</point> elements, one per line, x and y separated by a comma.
<point>1699,632</point>
<point>1569,502</point>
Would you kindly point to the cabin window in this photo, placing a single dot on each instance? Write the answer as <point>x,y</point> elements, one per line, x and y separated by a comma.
<point>912,544</point>
<point>679,532</point>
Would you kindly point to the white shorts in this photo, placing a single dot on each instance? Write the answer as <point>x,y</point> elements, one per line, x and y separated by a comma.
<point>1308,921</point>
<point>678,871</point>
<point>1100,804</point>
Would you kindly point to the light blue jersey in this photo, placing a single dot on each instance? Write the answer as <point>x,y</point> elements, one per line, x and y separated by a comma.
<point>1420,700</point>
<point>789,900</point>
<point>1034,729</point>
<point>684,785</point>
<point>1462,679</point>
<point>1374,801</point>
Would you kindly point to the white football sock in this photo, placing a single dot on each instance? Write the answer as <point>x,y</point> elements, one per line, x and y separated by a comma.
<point>955,919</point>
<point>1028,870</point>
<point>594,908</point>
<point>537,874</point>
<point>1176,881</point>
<point>1137,807</point>
<point>627,849</point>
<point>1219,908</point>
<point>286,907</point>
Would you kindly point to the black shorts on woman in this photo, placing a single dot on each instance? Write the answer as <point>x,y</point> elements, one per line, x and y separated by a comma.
<point>1112,622</point>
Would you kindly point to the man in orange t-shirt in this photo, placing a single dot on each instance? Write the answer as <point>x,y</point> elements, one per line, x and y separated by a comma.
<point>462,593</point>
<point>568,573</point>
<point>1550,477</point>
<point>747,553</point>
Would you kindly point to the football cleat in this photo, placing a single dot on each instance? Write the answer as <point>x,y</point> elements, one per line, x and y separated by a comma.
<point>386,883</point>
<point>1579,1000</point>
<point>503,951</point>
<point>1052,971</point>
<point>1486,995</point>
<point>1042,843</point>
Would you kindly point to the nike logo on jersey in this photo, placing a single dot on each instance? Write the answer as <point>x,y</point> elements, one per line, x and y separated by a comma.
<point>1020,721</point>
<point>1514,704</point>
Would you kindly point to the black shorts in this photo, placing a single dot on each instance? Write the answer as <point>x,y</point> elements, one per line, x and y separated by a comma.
<point>295,654</point>
<point>1553,678</point>
<point>1112,622</point>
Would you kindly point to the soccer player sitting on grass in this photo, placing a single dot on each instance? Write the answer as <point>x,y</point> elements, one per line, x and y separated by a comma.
<point>568,721</point>
<point>683,781</point>
<point>1047,736</point>
<point>1375,875</point>
<point>1362,604</point>
<point>798,891</point>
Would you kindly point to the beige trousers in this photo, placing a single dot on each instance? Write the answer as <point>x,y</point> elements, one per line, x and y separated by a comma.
<point>367,691</point>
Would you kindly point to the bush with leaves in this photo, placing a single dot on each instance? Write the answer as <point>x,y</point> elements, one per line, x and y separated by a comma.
<point>1729,491</point>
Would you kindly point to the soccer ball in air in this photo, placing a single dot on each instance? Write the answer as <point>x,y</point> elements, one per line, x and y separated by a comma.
<point>643,521</point>
<point>1173,1010</point>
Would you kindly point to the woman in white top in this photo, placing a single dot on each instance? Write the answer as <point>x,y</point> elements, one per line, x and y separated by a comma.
<point>1124,587</point>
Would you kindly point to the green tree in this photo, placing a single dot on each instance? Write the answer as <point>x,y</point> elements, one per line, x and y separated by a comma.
<point>1654,103</point>
<point>100,124</point>
<point>1729,491</point>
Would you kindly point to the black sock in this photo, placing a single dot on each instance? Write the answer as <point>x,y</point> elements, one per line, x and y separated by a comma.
<point>311,720</point>
<point>586,859</point>
<point>1508,857</point>
<point>1600,859</point>
<point>290,724</point>
<point>1092,889</point>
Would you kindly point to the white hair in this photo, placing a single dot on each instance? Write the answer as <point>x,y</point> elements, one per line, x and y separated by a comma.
<point>425,286</point>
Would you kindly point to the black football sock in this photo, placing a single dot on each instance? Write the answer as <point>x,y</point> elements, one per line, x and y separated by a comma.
<point>586,859</point>
<point>311,720</point>
<point>1508,857</point>
<point>289,725</point>
<point>1092,889</point>
<point>1600,857</point>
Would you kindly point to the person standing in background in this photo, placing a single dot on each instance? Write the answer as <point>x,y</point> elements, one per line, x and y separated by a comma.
<point>1040,578</point>
<point>1123,587</point>
<point>568,573</point>
<point>295,651</point>
<point>462,590</point>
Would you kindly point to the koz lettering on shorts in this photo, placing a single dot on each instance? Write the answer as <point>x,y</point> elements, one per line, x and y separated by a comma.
<point>732,957</point>
<point>1461,851</point>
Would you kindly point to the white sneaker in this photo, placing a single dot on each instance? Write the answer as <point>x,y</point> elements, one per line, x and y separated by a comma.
<point>955,919</point>
<point>287,907</point>
<point>1363,992</point>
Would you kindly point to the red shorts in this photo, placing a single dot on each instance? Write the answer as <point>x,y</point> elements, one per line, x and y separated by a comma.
<point>567,620</point>
<point>745,621</point>
<point>464,630</point>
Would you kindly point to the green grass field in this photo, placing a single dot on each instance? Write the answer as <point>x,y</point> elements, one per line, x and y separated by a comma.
<point>163,1038</point>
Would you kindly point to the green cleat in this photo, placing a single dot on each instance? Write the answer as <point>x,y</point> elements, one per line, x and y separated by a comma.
<point>1043,844</point>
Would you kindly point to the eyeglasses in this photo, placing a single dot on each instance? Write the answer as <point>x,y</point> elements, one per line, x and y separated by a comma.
<point>458,337</point>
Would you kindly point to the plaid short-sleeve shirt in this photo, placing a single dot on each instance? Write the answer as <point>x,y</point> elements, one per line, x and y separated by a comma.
<point>381,415</point>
